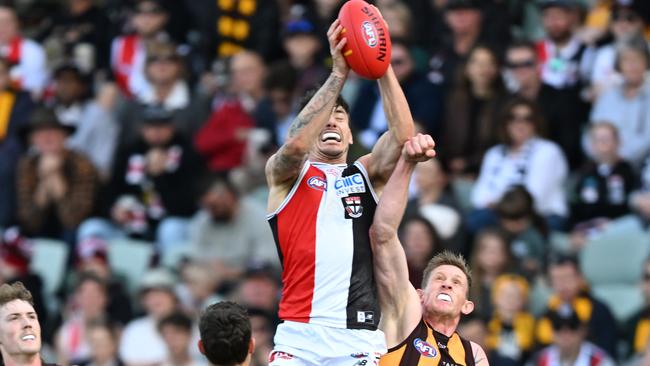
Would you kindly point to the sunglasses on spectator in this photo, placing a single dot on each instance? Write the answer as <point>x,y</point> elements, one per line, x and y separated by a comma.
<point>520,117</point>
<point>628,17</point>
<point>161,59</point>
<point>520,64</point>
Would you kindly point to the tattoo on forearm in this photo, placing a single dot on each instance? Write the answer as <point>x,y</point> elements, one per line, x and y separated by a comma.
<point>329,91</point>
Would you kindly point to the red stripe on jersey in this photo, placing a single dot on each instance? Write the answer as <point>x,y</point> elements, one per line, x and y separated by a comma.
<point>125,58</point>
<point>15,50</point>
<point>542,53</point>
<point>296,225</point>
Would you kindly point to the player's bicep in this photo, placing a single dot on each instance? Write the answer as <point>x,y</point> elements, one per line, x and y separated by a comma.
<point>283,166</point>
<point>380,163</point>
<point>480,358</point>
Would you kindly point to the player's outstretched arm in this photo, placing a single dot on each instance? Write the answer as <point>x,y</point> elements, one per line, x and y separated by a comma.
<point>400,303</point>
<point>381,162</point>
<point>284,166</point>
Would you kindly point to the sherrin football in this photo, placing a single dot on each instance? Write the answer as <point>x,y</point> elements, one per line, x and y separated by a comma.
<point>368,47</point>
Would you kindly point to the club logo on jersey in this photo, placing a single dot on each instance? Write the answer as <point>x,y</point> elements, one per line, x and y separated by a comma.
<point>317,183</point>
<point>424,348</point>
<point>353,206</point>
<point>280,356</point>
<point>360,355</point>
<point>349,185</point>
<point>369,34</point>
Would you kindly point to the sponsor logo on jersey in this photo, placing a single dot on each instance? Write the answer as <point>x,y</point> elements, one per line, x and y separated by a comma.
<point>424,348</point>
<point>369,34</point>
<point>348,185</point>
<point>360,355</point>
<point>317,183</point>
<point>353,206</point>
<point>279,356</point>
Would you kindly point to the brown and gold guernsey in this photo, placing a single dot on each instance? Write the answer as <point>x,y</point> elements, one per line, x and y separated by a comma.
<point>426,347</point>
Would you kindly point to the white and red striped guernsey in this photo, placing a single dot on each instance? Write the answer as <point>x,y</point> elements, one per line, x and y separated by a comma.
<point>321,232</point>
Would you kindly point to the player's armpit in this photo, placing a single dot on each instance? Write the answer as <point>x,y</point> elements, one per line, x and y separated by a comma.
<point>284,166</point>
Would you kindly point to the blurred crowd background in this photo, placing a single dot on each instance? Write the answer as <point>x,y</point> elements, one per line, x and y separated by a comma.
<point>133,138</point>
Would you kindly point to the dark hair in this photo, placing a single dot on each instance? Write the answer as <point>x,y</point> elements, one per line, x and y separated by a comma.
<point>537,118</point>
<point>497,86</point>
<point>225,331</point>
<point>636,44</point>
<point>91,277</point>
<point>178,320</point>
<point>447,258</point>
<point>431,230</point>
<point>310,94</point>
<point>516,203</point>
<point>216,180</point>
<point>561,259</point>
<point>15,291</point>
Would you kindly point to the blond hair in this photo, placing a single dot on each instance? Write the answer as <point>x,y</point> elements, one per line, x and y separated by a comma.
<point>447,258</point>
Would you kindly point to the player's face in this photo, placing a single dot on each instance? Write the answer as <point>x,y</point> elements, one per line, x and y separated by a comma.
<point>20,332</point>
<point>335,139</point>
<point>445,293</point>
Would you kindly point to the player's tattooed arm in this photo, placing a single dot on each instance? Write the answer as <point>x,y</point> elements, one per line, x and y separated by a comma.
<point>285,165</point>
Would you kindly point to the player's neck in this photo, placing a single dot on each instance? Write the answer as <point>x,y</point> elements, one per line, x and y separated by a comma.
<point>442,324</point>
<point>22,360</point>
<point>318,157</point>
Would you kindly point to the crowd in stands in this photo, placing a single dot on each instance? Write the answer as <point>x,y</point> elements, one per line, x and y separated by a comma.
<point>145,125</point>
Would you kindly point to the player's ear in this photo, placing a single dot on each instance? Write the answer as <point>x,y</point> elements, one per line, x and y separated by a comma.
<point>251,345</point>
<point>201,348</point>
<point>467,308</point>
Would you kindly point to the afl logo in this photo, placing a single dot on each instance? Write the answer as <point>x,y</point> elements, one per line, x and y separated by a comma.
<point>424,348</point>
<point>317,183</point>
<point>369,34</point>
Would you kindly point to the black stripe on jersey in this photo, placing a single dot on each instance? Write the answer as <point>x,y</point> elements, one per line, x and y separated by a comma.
<point>469,354</point>
<point>273,221</point>
<point>363,307</point>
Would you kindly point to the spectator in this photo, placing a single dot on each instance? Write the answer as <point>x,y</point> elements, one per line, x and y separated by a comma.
<point>150,195</point>
<point>29,71</point>
<point>473,328</point>
<point>15,108</point>
<point>570,292</point>
<point>628,106</point>
<point>176,331</point>
<point>228,231</point>
<point>570,346</point>
<point>625,23</point>
<point>57,187</point>
<point>141,343</point>
<point>262,330</point>
<point>86,305</point>
<point>15,258</point>
<point>102,341</point>
<point>167,88</point>
<point>636,328</point>
<point>472,108</point>
<point>523,158</point>
<point>198,287</point>
<point>434,199</point>
<point>490,258</point>
<point>560,107</point>
<point>640,200</point>
<point>79,34</point>
<point>96,128</point>
<point>281,90</point>
<point>421,242</point>
<point>605,183</point>
<point>465,20</point>
<point>222,139</point>
<point>425,99</point>
<point>129,52</point>
<point>511,328</point>
<point>525,230</point>
<point>303,47</point>
<point>259,288</point>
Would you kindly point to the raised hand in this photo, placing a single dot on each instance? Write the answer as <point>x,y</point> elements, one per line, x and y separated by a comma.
<point>339,66</point>
<point>419,148</point>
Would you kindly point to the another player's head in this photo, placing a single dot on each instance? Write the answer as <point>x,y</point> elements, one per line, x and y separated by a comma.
<point>446,283</point>
<point>225,331</point>
<point>20,331</point>
<point>335,138</point>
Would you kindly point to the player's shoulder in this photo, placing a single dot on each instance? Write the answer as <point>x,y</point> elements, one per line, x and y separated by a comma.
<point>480,357</point>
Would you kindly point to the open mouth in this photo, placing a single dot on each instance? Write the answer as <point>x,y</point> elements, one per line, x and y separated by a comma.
<point>444,297</point>
<point>29,337</point>
<point>330,136</point>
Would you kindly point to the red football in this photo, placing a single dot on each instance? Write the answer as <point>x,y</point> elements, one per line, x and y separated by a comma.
<point>368,48</point>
